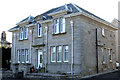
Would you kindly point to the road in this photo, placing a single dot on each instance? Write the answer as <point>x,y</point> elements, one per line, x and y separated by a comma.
<point>108,76</point>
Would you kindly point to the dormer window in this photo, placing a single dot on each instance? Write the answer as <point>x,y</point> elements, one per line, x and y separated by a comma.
<point>39,30</point>
<point>59,25</point>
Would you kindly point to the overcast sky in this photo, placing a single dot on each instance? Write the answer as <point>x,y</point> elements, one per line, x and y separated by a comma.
<point>13,11</point>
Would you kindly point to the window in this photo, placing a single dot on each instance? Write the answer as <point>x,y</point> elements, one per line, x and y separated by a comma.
<point>59,53</point>
<point>65,53</point>
<point>27,55</point>
<point>110,55</point>
<point>56,26</point>
<point>39,30</point>
<point>103,31</point>
<point>21,33</point>
<point>59,25</point>
<point>62,25</point>
<point>104,56</point>
<point>23,56</point>
<point>18,54</point>
<point>26,33</point>
<point>53,55</point>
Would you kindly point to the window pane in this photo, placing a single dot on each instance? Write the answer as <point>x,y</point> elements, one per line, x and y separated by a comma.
<point>104,56</point>
<point>39,30</point>
<point>59,53</point>
<point>56,26</point>
<point>65,56</point>
<point>21,33</point>
<point>18,52</point>
<point>27,55</point>
<point>62,26</point>
<point>103,31</point>
<point>111,54</point>
<point>23,57</point>
<point>26,33</point>
<point>53,56</point>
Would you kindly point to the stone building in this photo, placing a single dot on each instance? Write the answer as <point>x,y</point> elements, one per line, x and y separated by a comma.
<point>66,39</point>
<point>116,22</point>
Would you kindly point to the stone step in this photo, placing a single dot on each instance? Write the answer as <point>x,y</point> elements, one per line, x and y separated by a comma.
<point>36,75</point>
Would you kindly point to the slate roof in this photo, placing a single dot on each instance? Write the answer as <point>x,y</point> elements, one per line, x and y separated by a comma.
<point>29,18</point>
<point>14,28</point>
<point>118,20</point>
<point>71,7</point>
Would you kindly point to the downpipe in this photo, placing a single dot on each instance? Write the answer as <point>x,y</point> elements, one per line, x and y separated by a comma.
<point>97,71</point>
<point>72,55</point>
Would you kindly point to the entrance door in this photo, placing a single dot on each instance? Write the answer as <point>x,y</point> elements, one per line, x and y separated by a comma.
<point>40,58</point>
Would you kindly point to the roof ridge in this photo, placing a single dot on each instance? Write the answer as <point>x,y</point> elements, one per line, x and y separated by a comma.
<point>66,7</point>
<point>76,7</point>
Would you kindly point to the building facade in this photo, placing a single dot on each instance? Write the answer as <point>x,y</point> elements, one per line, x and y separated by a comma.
<point>66,39</point>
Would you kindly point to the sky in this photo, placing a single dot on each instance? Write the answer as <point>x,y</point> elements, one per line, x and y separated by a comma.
<point>13,11</point>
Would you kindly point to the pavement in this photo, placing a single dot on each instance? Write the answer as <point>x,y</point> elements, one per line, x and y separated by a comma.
<point>114,75</point>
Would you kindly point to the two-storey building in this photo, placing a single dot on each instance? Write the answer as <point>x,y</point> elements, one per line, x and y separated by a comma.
<point>66,39</point>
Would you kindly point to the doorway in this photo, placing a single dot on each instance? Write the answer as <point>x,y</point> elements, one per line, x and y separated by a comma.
<point>40,59</point>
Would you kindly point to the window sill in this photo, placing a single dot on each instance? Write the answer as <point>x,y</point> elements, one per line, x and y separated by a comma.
<point>110,61</point>
<point>23,62</point>
<point>59,61</point>
<point>103,35</point>
<point>39,37</point>
<point>20,39</point>
<point>58,33</point>
<point>104,63</point>
<point>23,39</point>
<point>53,61</point>
<point>65,61</point>
<point>27,61</point>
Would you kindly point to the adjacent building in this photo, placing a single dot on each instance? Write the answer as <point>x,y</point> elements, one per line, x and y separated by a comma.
<point>116,22</point>
<point>66,39</point>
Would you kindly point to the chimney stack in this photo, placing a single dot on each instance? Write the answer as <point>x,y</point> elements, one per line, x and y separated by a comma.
<point>3,36</point>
